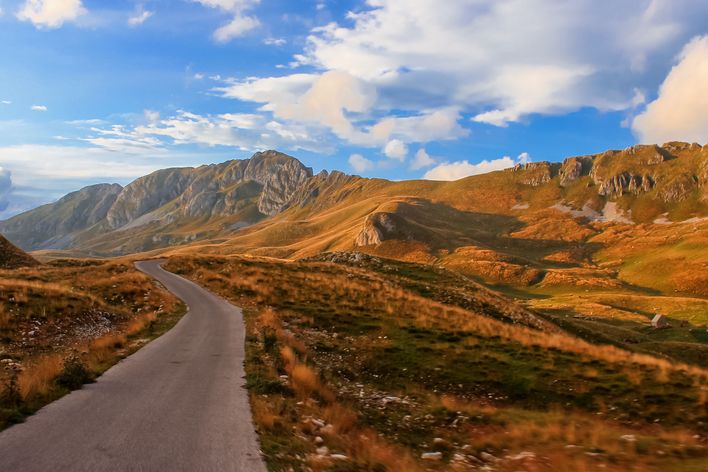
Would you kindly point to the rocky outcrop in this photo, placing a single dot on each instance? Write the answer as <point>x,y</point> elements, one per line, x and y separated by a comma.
<point>377,228</point>
<point>535,173</point>
<point>573,168</point>
<point>625,183</point>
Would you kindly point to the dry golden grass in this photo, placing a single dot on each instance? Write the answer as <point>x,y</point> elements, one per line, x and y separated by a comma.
<point>38,377</point>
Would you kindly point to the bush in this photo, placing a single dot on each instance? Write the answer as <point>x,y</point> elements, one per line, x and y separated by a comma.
<point>10,396</point>
<point>75,373</point>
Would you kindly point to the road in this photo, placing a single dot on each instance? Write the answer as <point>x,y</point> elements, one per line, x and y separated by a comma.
<point>178,404</point>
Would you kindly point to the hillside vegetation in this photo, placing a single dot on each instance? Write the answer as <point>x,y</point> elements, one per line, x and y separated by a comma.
<point>359,363</point>
<point>65,322</point>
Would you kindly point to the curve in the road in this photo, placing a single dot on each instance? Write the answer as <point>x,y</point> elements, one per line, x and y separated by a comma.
<point>178,404</point>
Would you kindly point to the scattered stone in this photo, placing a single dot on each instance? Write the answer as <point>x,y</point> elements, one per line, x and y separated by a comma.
<point>660,321</point>
<point>522,456</point>
<point>339,457</point>
<point>322,451</point>
<point>488,457</point>
<point>431,456</point>
<point>628,438</point>
<point>319,440</point>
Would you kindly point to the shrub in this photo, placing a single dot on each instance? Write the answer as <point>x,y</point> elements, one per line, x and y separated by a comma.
<point>74,374</point>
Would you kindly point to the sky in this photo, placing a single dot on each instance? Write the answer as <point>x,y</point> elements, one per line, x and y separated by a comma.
<point>109,90</point>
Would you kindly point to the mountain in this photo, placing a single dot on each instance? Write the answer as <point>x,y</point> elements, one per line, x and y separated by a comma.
<point>271,204</point>
<point>12,257</point>
<point>167,207</point>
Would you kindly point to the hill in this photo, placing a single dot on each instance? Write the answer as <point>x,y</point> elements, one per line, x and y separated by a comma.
<point>12,257</point>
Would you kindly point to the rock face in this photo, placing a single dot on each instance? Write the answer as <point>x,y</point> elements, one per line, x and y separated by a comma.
<point>535,173</point>
<point>625,182</point>
<point>573,168</point>
<point>382,226</point>
<point>146,194</point>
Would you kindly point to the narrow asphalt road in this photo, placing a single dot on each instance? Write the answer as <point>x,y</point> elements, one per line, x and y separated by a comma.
<point>178,404</point>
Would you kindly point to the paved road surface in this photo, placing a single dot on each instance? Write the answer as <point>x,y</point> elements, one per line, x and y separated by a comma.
<point>175,405</point>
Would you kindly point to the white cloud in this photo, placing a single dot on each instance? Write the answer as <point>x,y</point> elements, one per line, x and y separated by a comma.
<point>361,164</point>
<point>38,108</point>
<point>140,16</point>
<point>275,41</point>
<point>57,163</point>
<point>680,113</point>
<point>502,60</point>
<point>523,158</point>
<point>422,160</point>
<point>50,13</point>
<point>240,24</point>
<point>460,169</point>
<point>396,149</point>
<point>6,102</point>
<point>245,131</point>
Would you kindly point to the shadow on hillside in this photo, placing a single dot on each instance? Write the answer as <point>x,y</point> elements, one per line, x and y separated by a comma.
<point>442,227</point>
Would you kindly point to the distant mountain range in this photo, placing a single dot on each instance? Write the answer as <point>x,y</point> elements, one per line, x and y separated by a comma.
<point>641,184</point>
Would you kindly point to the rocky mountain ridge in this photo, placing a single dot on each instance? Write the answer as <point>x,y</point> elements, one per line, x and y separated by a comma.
<point>180,205</point>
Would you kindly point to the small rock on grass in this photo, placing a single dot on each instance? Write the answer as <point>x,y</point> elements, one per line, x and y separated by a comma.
<point>431,456</point>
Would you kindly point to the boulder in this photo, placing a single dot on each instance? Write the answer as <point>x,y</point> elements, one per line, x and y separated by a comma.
<point>660,321</point>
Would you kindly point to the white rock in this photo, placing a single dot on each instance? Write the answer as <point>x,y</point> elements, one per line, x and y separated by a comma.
<point>431,456</point>
<point>322,451</point>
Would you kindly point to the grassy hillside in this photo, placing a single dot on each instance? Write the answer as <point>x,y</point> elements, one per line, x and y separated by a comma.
<point>12,257</point>
<point>65,322</point>
<point>370,364</point>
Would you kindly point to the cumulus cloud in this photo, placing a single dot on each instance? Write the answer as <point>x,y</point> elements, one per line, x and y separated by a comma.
<point>38,108</point>
<point>361,164</point>
<point>680,112</point>
<point>240,24</point>
<point>140,16</point>
<point>422,160</point>
<point>342,104</point>
<point>509,58</point>
<point>50,13</point>
<point>396,149</point>
<point>460,169</point>
<point>411,71</point>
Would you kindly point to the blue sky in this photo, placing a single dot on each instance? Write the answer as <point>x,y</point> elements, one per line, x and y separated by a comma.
<point>94,91</point>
